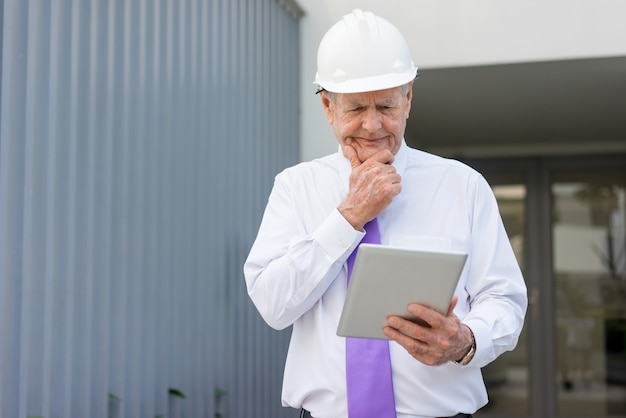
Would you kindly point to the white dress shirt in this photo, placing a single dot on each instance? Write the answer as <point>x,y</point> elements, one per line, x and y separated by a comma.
<point>296,275</point>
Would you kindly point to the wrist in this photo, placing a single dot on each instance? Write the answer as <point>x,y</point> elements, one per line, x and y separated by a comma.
<point>469,355</point>
<point>348,213</point>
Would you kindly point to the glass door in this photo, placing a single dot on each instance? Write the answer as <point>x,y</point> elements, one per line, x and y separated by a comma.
<point>565,218</point>
<point>589,277</point>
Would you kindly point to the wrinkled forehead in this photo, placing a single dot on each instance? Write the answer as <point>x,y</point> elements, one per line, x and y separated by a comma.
<point>388,97</point>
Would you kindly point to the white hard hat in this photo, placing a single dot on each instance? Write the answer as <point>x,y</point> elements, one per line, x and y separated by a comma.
<point>363,52</point>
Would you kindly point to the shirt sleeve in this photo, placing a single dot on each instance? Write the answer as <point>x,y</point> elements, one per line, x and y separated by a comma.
<point>498,296</point>
<point>289,267</point>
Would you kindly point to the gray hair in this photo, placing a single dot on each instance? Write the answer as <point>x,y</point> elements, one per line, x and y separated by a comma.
<point>404,89</point>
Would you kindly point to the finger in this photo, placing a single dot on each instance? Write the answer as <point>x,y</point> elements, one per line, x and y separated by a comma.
<point>351,155</point>
<point>414,346</point>
<point>410,328</point>
<point>383,156</point>
<point>401,337</point>
<point>432,317</point>
<point>455,299</point>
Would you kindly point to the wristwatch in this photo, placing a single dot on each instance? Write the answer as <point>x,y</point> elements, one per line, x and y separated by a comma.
<point>470,354</point>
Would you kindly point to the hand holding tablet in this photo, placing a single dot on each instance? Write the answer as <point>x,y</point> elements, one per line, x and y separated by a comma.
<point>387,279</point>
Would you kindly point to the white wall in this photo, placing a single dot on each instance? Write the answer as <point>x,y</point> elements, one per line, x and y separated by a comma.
<point>463,33</point>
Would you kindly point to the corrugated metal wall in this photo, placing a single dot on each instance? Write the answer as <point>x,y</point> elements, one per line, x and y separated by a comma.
<point>138,144</point>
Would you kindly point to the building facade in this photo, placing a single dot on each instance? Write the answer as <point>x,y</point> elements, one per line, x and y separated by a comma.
<point>138,144</point>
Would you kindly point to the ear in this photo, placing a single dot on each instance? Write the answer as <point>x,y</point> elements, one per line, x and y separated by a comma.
<point>409,98</point>
<point>328,107</point>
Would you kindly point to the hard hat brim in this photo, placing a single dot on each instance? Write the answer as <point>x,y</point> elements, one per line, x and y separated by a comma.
<point>362,85</point>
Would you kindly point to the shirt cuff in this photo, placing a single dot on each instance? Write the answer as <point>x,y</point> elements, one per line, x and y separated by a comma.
<point>484,344</point>
<point>337,236</point>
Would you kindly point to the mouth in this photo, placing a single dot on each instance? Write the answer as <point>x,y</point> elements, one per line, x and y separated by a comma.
<point>369,141</point>
<point>366,147</point>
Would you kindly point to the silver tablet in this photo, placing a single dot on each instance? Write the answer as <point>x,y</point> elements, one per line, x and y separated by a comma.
<point>385,280</point>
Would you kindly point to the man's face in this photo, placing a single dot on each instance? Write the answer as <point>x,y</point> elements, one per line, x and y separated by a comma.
<point>370,121</point>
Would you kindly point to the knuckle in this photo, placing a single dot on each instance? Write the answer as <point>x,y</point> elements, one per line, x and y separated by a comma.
<point>414,348</point>
<point>444,344</point>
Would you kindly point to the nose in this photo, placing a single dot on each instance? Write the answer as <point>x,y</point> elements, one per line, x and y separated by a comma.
<point>372,120</point>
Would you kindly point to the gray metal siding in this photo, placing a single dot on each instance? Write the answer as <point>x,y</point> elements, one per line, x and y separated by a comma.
<point>138,144</point>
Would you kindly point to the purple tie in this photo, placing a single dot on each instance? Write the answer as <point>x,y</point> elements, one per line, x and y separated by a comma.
<point>368,364</point>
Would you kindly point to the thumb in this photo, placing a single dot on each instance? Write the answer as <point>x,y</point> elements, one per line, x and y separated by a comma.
<point>351,155</point>
<point>455,299</point>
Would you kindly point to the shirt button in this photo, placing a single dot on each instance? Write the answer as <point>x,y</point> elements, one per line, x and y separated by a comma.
<point>344,243</point>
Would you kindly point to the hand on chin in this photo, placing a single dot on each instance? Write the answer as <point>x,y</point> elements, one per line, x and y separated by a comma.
<point>365,149</point>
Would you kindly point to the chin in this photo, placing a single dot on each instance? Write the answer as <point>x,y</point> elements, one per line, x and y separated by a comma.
<point>367,153</point>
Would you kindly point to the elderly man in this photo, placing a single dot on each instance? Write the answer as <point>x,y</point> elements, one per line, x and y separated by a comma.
<point>317,214</point>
